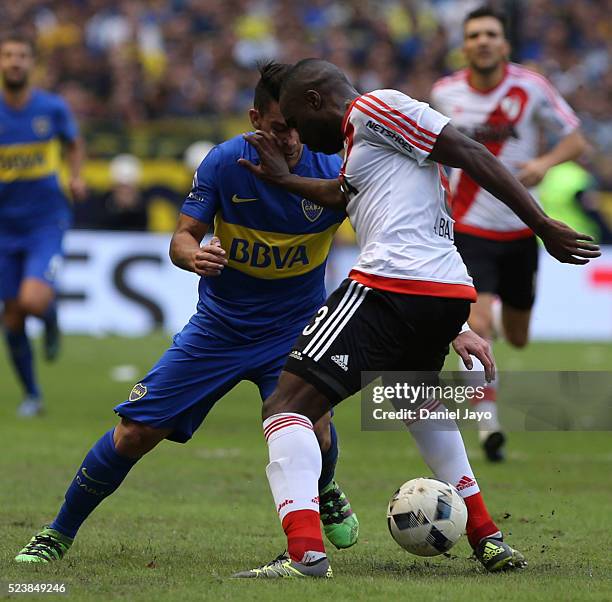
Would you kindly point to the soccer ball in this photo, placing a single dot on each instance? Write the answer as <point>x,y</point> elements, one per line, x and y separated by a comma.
<point>426,517</point>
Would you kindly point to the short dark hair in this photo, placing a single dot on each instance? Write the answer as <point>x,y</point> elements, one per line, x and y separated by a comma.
<point>268,87</point>
<point>488,11</point>
<point>19,38</point>
<point>314,73</point>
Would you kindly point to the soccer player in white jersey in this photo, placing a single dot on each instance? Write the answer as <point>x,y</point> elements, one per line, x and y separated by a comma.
<point>503,106</point>
<point>405,301</point>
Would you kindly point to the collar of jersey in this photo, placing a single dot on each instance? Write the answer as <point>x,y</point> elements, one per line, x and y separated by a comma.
<point>347,114</point>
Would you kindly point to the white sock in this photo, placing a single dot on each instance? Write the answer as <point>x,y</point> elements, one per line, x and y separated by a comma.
<point>295,463</point>
<point>486,426</point>
<point>442,448</point>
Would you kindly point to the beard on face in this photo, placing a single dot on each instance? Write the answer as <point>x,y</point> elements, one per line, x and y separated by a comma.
<point>15,83</point>
<point>486,69</point>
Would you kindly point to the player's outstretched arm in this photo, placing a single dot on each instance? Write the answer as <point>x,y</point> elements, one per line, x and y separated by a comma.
<point>274,169</point>
<point>562,242</point>
<point>186,253</point>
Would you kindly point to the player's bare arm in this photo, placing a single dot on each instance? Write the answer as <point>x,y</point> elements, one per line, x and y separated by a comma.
<point>186,253</point>
<point>454,149</point>
<point>75,157</point>
<point>273,168</point>
<point>568,148</point>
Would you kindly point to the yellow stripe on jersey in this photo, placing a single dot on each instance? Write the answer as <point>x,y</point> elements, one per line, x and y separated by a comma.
<point>29,161</point>
<point>271,255</point>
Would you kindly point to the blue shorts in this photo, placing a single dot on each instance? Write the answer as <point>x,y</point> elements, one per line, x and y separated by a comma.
<point>197,371</point>
<point>38,254</point>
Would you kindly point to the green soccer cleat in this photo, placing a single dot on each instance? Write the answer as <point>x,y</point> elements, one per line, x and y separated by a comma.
<point>46,546</point>
<point>339,521</point>
<point>496,556</point>
<point>282,567</point>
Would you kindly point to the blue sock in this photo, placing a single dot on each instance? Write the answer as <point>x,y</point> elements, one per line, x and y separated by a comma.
<point>50,316</point>
<point>330,458</point>
<point>21,355</point>
<point>100,474</point>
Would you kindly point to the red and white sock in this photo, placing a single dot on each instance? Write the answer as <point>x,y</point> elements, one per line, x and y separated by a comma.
<point>442,449</point>
<point>293,474</point>
<point>488,403</point>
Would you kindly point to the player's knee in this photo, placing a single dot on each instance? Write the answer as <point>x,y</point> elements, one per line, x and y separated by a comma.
<point>134,439</point>
<point>32,305</point>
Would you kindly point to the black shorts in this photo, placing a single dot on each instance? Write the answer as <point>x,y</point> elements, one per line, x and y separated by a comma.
<point>504,268</point>
<point>362,329</point>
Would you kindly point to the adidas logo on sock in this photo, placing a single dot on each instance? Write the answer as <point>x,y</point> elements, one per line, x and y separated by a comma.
<point>341,360</point>
<point>464,483</point>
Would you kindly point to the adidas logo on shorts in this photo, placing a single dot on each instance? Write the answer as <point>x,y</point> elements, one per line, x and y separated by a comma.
<point>341,360</point>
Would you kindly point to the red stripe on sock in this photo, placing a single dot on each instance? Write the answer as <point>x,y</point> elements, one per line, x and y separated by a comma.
<point>284,420</point>
<point>479,522</point>
<point>271,431</point>
<point>303,531</point>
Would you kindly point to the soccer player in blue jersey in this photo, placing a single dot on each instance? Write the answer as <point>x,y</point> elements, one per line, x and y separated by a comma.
<point>34,212</point>
<point>261,280</point>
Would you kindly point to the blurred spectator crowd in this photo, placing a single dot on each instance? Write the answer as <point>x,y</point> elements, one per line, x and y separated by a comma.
<point>133,61</point>
<point>136,60</point>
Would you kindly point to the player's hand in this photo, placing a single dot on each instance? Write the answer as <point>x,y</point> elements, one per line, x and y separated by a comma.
<point>272,163</point>
<point>78,189</point>
<point>210,259</point>
<point>468,343</point>
<point>532,172</point>
<point>566,245</point>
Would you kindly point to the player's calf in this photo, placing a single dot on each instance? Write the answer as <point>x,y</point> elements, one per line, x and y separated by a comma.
<point>22,358</point>
<point>340,523</point>
<point>516,325</point>
<point>294,395</point>
<point>100,474</point>
<point>516,338</point>
<point>134,439</point>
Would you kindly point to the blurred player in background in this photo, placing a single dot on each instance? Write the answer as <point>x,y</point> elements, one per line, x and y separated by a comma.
<point>403,303</point>
<point>503,106</point>
<point>34,211</point>
<point>262,277</point>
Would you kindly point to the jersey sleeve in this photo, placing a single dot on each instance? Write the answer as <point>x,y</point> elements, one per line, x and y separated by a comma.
<point>553,111</point>
<point>204,201</point>
<point>393,119</point>
<point>67,128</point>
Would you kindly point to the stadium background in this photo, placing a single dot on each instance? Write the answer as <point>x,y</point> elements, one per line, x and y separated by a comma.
<point>154,84</point>
<point>149,79</point>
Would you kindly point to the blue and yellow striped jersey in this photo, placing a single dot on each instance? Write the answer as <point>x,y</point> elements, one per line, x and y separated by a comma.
<point>276,242</point>
<point>30,154</point>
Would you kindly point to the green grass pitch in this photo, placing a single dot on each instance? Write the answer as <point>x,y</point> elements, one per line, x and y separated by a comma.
<point>189,515</point>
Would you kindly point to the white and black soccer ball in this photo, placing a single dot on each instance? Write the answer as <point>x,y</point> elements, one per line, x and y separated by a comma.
<point>426,516</point>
